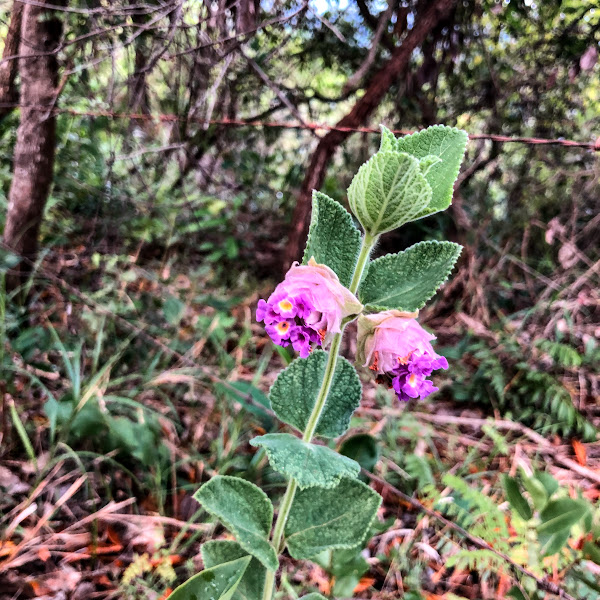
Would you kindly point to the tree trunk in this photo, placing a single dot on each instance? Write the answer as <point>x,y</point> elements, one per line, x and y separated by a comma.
<point>34,151</point>
<point>434,12</point>
<point>8,65</point>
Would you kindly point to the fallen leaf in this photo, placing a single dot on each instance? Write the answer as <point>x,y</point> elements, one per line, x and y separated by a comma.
<point>364,584</point>
<point>580,452</point>
<point>43,553</point>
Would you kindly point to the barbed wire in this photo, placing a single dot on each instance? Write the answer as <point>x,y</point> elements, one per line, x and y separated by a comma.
<point>315,127</point>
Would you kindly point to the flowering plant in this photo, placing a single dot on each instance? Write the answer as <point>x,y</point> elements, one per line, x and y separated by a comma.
<point>325,507</point>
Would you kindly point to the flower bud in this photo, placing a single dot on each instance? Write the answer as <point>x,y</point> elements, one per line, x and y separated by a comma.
<point>398,349</point>
<point>307,307</point>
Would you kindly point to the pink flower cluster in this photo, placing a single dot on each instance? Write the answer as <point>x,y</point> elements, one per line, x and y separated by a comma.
<point>307,307</point>
<point>398,349</point>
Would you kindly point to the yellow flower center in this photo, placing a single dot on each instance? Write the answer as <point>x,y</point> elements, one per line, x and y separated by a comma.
<point>283,326</point>
<point>412,380</point>
<point>285,305</point>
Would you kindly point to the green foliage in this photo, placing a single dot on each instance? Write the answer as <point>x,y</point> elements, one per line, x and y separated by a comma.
<point>295,391</point>
<point>363,448</point>
<point>218,583</point>
<point>313,596</point>
<point>333,239</point>
<point>388,191</point>
<point>557,518</point>
<point>346,567</point>
<point>514,496</point>
<point>245,510</point>
<point>405,281</point>
<point>218,552</point>
<point>562,354</point>
<point>310,465</point>
<point>445,143</point>
<point>478,514</point>
<point>534,397</point>
<point>475,560</point>
<point>323,519</point>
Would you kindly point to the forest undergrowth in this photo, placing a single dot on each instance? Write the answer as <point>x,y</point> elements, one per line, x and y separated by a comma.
<point>130,391</point>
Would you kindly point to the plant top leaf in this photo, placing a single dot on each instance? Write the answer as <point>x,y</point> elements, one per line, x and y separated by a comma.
<point>388,191</point>
<point>448,144</point>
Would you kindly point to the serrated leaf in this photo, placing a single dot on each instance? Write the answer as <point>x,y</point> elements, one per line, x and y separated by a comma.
<point>322,519</point>
<point>217,583</point>
<point>449,144</point>
<point>515,498</point>
<point>407,280</point>
<point>245,510</point>
<point>388,140</point>
<point>295,391</point>
<point>388,191</point>
<point>217,552</point>
<point>310,465</point>
<point>333,240</point>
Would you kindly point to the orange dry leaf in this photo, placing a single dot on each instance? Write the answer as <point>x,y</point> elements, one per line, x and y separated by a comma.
<point>580,452</point>
<point>6,548</point>
<point>364,584</point>
<point>43,553</point>
<point>166,594</point>
<point>39,589</point>
<point>173,559</point>
<point>111,549</point>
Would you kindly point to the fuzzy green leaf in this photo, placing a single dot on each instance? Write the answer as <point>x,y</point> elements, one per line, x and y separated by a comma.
<point>310,465</point>
<point>217,552</point>
<point>405,281</point>
<point>313,596</point>
<point>245,510</point>
<point>218,583</point>
<point>449,144</point>
<point>323,519</point>
<point>333,240</point>
<point>295,391</point>
<point>388,191</point>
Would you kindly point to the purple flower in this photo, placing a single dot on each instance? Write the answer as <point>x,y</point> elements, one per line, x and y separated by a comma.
<point>307,307</point>
<point>398,349</point>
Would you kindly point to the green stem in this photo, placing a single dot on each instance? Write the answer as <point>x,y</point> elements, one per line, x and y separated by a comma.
<point>313,420</point>
<point>365,250</point>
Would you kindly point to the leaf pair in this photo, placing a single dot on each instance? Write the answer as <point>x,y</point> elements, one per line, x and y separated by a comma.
<point>408,179</point>
<point>556,516</point>
<point>320,518</point>
<point>407,280</point>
